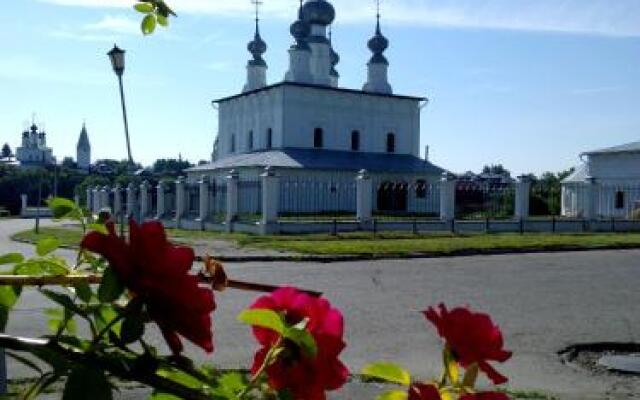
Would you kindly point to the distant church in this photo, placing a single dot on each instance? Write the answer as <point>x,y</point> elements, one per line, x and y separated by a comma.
<point>307,125</point>
<point>83,150</point>
<point>34,151</point>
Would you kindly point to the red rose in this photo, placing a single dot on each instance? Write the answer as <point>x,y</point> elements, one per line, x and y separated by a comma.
<point>159,273</point>
<point>472,337</point>
<point>485,396</point>
<point>305,377</point>
<point>421,391</point>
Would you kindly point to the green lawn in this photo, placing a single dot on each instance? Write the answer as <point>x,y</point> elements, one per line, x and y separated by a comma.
<point>383,244</point>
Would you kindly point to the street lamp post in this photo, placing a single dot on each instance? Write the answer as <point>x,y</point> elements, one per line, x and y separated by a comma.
<point>117,62</point>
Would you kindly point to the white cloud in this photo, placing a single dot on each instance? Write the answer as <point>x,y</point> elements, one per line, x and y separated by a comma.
<point>596,17</point>
<point>108,29</point>
<point>121,25</point>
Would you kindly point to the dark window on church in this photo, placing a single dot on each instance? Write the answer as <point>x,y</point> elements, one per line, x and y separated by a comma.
<point>619,200</point>
<point>269,138</point>
<point>421,189</point>
<point>391,143</point>
<point>233,143</point>
<point>355,140</point>
<point>250,140</point>
<point>318,141</point>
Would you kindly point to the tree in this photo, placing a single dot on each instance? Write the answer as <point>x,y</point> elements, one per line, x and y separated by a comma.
<point>497,169</point>
<point>6,151</point>
<point>170,167</point>
<point>68,163</point>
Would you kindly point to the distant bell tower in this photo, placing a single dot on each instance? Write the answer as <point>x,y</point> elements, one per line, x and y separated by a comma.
<point>83,150</point>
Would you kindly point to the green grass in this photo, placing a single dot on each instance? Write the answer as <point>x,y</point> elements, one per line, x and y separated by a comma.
<point>383,244</point>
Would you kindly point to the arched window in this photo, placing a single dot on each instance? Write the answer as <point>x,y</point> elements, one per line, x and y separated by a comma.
<point>318,141</point>
<point>232,145</point>
<point>250,140</point>
<point>421,189</point>
<point>619,200</point>
<point>355,141</point>
<point>269,138</point>
<point>391,143</point>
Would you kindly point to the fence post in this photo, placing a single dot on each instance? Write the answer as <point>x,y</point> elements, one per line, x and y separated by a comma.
<point>232,199</point>
<point>160,205</point>
<point>180,200</point>
<point>270,200</point>
<point>117,202</point>
<point>523,189</point>
<point>95,199</point>
<point>104,199</point>
<point>131,201</point>
<point>23,204</point>
<point>4,387</point>
<point>144,200</point>
<point>591,201</point>
<point>448,197</point>
<point>76,199</point>
<point>364,199</point>
<point>203,186</point>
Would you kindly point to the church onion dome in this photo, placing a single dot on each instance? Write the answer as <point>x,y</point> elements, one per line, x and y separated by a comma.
<point>378,44</point>
<point>257,47</point>
<point>335,59</point>
<point>300,31</point>
<point>318,12</point>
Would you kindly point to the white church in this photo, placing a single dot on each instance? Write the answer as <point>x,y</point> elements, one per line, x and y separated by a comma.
<point>307,127</point>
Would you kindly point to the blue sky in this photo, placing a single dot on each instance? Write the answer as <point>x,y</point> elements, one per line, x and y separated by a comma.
<point>526,83</point>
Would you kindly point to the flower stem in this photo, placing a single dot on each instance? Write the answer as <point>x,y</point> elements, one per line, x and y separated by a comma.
<point>268,360</point>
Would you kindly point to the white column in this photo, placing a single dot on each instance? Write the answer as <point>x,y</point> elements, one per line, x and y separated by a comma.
<point>448,197</point>
<point>89,199</point>
<point>181,205</point>
<point>95,200</point>
<point>270,198</point>
<point>203,185</point>
<point>117,202</point>
<point>160,203</point>
<point>523,189</point>
<point>76,199</point>
<point>131,201</point>
<point>24,203</point>
<point>144,200</point>
<point>232,197</point>
<point>104,199</point>
<point>364,197</point>
<point>592,202</point>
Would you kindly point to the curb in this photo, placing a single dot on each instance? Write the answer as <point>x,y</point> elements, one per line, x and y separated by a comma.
<point>328,259</point>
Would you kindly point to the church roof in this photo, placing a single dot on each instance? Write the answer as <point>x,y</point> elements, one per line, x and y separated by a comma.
<point>83,141</point>
<point>310,85</point>
<point>325,160</point>
<point>633,147</point>
<point>580,175</point>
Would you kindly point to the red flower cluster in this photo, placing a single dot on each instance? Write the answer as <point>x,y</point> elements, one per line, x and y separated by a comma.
<point>306,378</point>
<point>159,273</point>
<point>472,337</point>
<point>423,391</point>
<point>485,396</point>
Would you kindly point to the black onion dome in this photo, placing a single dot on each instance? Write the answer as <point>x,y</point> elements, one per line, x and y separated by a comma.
<point>318,12</point>
<point>257,47</point>
<point>378,44</point>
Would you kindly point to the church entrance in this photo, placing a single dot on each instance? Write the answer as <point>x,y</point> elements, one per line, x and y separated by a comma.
<point>392,196</point>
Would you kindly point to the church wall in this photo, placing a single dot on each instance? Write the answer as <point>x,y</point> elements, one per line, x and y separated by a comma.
<point>615,166</point>
<point>340,113</point>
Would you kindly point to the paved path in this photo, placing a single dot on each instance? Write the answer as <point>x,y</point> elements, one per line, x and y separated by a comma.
<point>543,302</point>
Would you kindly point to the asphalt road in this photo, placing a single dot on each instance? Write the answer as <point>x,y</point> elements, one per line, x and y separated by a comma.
<point>543,302</point>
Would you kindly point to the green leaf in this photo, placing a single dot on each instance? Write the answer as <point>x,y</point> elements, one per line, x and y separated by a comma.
<point>104,314</point>
<point>144,7</point>
<point>268,319</point>
<point>163,396</point>
<point>65,301</point>
<point>132,329</point>
<point>100,228</point>
<point>49,266</point>
<point>180,377</point>
<point>304,339</point>
<point>111,288</point>
<point>393,395</point>
<point>388,372</point>
<point>60,317</point>
<point>148,24</point>
<point>64,209</point>
<point>162,20</point>
<point>39,386</point>
<point>230,385</point>
<point>9,296</point>
<point>87,383</point>
<point>84,292</point>
<point>11,258</point>
<point>46,246</point>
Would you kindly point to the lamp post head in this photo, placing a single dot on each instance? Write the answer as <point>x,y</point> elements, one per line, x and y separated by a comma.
<point>117,59</point>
